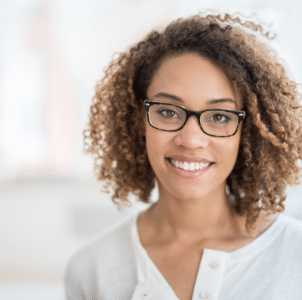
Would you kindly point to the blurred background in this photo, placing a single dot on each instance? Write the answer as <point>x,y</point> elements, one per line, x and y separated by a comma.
<point>52,52</point>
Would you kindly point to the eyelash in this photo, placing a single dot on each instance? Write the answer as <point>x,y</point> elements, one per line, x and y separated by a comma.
<point>165,110</point>
<point>227,119</point>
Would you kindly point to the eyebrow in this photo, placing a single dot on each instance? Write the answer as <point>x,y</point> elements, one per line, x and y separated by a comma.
<point>213,101</point>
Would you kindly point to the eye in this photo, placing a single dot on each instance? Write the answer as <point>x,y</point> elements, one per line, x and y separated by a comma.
<point>220,118</point>
<point>168,113</point>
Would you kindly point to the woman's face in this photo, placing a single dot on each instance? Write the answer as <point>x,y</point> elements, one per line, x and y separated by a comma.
<point>191,81</point>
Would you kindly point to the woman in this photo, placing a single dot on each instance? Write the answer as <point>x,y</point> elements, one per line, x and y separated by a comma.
<point>206,111</point>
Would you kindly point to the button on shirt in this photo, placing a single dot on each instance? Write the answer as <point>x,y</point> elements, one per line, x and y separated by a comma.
<point>116,266</point>
<point>207,284</point>
<point>221,274</point>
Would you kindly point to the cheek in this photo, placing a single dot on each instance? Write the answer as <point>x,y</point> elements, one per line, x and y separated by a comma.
<point>227,150</point>
<point>158,144</point>
<point>154,140</point>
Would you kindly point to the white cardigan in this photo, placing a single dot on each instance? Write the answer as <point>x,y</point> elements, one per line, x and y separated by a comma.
<point>115,266</point>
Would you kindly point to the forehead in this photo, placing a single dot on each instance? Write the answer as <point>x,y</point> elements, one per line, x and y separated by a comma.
<point>191,77</point>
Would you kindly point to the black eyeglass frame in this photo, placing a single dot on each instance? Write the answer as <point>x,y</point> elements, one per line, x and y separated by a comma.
<point>239,113</point>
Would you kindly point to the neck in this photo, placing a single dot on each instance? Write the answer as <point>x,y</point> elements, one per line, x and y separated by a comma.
<point>189,220</point>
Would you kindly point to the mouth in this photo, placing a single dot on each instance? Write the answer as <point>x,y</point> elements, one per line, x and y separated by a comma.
<point>189,166</point>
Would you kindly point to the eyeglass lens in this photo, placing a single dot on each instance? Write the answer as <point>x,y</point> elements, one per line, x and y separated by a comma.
<point>213,122</point>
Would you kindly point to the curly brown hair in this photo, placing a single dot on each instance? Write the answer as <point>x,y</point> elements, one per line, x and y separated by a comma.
<point>271,138</point>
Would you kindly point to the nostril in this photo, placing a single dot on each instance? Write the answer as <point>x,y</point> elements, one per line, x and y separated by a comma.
<point>191,138</point>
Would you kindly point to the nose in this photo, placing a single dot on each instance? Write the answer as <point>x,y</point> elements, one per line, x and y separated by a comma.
<point>191,135</point>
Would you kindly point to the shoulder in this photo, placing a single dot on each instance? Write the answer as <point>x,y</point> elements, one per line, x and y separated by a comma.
<point>289,236</point>
<point>291,225</point>
<point>107,243</point>
<point>106,260</point>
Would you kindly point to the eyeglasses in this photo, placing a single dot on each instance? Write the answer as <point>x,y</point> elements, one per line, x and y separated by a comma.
<point>213,122</point>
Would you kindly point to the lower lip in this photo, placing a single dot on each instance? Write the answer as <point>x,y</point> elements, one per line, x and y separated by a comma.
<point>187,174</point>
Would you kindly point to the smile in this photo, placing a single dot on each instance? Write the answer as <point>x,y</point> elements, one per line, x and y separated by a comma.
<point>189,166</point>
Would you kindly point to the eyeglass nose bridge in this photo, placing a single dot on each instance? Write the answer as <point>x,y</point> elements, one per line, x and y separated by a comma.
<point>190,113</point>
<point>240,114</point>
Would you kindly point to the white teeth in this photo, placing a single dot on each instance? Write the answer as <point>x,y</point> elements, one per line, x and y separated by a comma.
<point>192,166</point>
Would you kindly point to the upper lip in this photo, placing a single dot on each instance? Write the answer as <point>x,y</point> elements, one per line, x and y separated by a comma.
<point>189,158</point>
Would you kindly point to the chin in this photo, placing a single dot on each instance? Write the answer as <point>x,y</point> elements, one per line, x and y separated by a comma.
<point>184,191</point>
<point>189,194</point>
